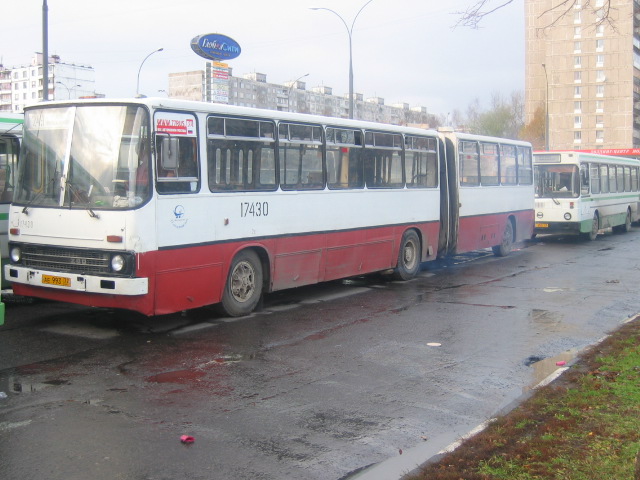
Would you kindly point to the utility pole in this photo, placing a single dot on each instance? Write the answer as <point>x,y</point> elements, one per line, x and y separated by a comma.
<point>45,51</point>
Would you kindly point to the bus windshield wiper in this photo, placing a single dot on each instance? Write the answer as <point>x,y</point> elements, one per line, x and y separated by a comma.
<point>38,195</point>
<point>82,198</point>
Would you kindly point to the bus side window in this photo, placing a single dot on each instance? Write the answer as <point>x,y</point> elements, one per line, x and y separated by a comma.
<point>595,178</point>
<point>383,160</point>
<point>177,164</point>
<point>266,159</point>
<point>604,179</point>
<point>421,162</point>
<point>584,179</point>
<point>344,158</point>
<point>613,187</point>
<point>620,178</point>
<point>489,164</point>
<point>469,164</point>
<point>508,165</point>
<point>627,179</point>
<point>525,166</point>
<point>300,156</point>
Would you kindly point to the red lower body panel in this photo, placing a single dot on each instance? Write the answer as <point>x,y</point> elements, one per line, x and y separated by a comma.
<point>182,278</point>
<point>483,231</point>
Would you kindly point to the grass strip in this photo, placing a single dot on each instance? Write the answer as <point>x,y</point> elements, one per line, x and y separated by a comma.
<point>583,426</point>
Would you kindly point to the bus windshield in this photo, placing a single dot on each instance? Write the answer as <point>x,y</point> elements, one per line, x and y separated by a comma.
<point>555,181</point>
<point>91,156</point>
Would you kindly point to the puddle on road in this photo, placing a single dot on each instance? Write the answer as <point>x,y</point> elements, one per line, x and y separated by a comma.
<point>545,367</point>
<point>83,330</point>
<point>177,376</point>
<point>10,384</point>
<point>545,317</point>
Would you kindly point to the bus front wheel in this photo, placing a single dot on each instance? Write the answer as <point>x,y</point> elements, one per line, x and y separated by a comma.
<point>244,285</point>
<point>408,256</point>
<point>595,226</point>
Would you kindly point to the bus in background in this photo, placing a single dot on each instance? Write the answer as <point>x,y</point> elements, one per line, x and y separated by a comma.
<point>583,193</point>
<point>163,205</point>
<point>10,134</point>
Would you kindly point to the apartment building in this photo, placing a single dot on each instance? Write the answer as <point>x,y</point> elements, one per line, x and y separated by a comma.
<point>24,84</point>
<point>216,83</point>
<point>583,72</point>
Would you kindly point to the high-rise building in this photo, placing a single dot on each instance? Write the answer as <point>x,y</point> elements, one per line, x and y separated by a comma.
<point>582,72</point>
<point>24,85</point>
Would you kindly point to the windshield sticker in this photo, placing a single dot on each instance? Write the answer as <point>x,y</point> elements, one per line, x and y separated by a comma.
<point>176,124</point>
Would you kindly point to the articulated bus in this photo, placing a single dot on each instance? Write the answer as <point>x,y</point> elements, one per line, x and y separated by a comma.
<point>10,134</point>
<point>163,205</point>
<point>583,193</point>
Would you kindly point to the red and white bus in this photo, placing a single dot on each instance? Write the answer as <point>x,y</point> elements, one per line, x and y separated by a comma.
<point>163,205</point>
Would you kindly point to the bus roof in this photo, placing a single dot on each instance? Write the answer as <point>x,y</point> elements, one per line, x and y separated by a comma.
<point>248,112</point>
<point>577,156</point>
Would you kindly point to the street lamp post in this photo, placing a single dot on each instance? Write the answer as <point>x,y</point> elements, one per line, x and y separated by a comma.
<point>45,50</point>
<point>68,89</point>
<point>139,69</point>
<point>546,110</point>
<point>291,88</point>
<point>350,33</point>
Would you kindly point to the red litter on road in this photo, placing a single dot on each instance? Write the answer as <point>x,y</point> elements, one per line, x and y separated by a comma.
<point>187,439</point>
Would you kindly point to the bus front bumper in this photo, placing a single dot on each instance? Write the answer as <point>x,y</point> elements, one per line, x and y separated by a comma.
<point>572,228</point>
<point>75,282</point>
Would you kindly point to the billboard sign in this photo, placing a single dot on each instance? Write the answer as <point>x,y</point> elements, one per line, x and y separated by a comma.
<point>214,46</point>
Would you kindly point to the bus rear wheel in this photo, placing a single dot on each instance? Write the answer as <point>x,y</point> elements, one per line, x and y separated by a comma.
<point>244,285</point>
<point>626,226</point>
<point>506,245</point>
<point>408,256</point>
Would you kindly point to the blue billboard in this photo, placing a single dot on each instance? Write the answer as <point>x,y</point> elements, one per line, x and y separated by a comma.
<point>214,46</point>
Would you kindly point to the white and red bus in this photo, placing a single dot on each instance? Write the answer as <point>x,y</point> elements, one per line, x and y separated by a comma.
<point>163,205</point>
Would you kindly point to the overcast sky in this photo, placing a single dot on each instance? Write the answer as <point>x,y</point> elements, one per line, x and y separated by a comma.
<point>403,50</point>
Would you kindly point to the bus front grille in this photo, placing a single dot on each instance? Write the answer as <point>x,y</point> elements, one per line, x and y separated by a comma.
<point>69,260</point>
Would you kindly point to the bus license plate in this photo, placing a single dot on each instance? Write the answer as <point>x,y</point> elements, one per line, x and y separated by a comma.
<point>58,281</point>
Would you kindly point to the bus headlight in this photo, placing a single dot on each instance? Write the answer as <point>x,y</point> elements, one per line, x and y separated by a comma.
<point>15,254</point>
<point>567,216</point>
<point>118,263</point>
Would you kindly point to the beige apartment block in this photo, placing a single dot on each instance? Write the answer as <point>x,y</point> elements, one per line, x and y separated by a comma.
<point>582,72</point>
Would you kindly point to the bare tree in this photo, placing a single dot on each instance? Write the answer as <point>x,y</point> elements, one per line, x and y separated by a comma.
<point>479,9</point>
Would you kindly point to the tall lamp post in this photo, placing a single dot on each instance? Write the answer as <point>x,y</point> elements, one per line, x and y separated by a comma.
<point>45,50</point>
<point>68,89</point>
<point>546,110</point>
<point>139,69</point>
<point>291,88</point>
<point>350,33</point>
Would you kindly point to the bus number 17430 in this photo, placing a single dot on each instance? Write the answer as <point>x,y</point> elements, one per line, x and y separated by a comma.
<point>254,209</point>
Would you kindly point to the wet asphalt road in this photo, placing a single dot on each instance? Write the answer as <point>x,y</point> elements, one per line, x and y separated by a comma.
<point>322,382</point>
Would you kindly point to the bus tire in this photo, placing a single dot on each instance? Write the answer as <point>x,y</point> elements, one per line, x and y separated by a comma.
<point>243,288</point>
<point>506,245</point>
<point>595,226</point>
<point>408,256</point>
<point>626,226</point>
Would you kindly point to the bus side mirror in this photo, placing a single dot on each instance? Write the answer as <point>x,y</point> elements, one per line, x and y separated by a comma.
<point>169,158</point>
